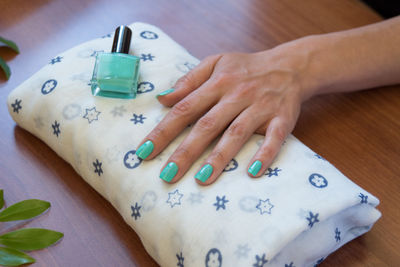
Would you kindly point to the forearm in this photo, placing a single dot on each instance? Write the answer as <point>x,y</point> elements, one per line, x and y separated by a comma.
<point>351,60</point>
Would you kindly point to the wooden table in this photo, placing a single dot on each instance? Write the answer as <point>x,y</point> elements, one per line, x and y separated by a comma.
<point>359,132</point>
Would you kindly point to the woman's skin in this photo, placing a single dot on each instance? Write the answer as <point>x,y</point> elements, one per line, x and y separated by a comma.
<point>237,94</point>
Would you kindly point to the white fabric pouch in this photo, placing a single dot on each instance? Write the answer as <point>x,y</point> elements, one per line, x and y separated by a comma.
<point>301,210</point>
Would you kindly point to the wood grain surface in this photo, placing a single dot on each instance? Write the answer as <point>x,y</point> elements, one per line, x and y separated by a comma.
<point>359,132</point>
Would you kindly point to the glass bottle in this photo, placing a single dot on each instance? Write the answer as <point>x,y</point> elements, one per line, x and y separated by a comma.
<point>116,74</point>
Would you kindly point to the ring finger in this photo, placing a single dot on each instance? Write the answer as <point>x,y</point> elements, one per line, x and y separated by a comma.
<point>240,130</point>
<point>203,133</point>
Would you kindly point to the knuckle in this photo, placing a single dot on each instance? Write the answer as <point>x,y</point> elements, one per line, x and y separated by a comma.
<point>243,92</point>
<point>237,130</point>
<point>183,153</point>
<point>159,133</point>
<point>207,124</point>
<point>219,156</point>
<point>281,132</point>
<point>182,108</point>
<point>248,89</point>
<point>185,80</point>
<point>221,79</point>
<point>267,101</point>
<point>267,152</point>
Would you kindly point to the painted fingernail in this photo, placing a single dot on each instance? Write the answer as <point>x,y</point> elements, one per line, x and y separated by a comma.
<point>255,167</point>
<point>145,149</point>
<point>166,92</point>
<point>204,173</point>
<point>169,172</point>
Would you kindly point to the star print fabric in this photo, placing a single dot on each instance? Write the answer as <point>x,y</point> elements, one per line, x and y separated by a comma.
<point>301,209</point>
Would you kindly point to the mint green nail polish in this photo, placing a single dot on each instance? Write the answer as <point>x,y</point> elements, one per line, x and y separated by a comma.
<point>116,74</point>
<point>145,149</point>
<point>166,92</point>
<point>169,172</point>
<point>204,173</point>
<point>255,167</point>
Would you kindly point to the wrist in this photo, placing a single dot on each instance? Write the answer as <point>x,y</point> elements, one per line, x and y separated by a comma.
<point>350,60</point>
<point>301,57</point>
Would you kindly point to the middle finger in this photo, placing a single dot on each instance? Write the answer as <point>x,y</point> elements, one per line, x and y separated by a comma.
<point>203,133</point>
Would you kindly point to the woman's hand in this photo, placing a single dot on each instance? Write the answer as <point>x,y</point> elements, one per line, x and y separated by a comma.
<point>234,94</point>
<point>242,94</point>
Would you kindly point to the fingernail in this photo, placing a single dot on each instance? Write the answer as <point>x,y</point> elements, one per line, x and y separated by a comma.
<point>255,167</point>
<point>166,92</point>
<point>204,173</point>
<point>145,149</point>
<point>169,172</point>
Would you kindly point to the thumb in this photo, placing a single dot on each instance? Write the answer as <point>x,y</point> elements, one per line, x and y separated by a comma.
<point>189,82</point>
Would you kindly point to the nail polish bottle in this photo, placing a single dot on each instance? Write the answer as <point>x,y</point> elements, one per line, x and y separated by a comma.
<point>116,74</point>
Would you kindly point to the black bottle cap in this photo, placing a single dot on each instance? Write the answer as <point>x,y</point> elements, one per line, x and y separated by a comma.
<point>122,40</point>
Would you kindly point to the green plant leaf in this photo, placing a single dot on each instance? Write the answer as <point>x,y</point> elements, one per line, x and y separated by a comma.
<point>5,68</point>
<point>13,257</point>
<point>1,198</point>
<point>30,238</point>
<point>24,210</point>
<point>10,44</point>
